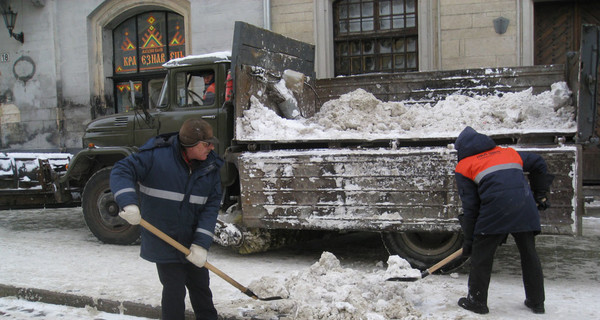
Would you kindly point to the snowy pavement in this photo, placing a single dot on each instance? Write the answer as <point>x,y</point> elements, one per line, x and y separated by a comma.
<point>52,250</point>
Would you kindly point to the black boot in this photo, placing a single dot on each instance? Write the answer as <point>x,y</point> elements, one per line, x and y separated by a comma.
<point>474,306</point>
<point>536,308</point>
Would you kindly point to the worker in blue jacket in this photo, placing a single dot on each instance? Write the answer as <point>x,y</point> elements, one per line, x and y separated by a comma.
<point>174,179</point>
<point>497,200</point>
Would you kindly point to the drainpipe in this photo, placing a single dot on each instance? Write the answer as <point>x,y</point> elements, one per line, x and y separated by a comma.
<point>60,107</point>
<point>267,14</point>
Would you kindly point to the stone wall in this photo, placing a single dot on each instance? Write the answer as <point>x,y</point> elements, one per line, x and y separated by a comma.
<point>468,38</point>
<point>57,81</point>
<point>294,19</point>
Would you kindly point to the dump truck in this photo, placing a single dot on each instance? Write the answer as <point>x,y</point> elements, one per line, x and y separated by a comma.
<point>279,187</point>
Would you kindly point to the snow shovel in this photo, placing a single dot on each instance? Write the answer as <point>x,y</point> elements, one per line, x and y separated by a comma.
<point>207,265</point>
<point>431,270</point>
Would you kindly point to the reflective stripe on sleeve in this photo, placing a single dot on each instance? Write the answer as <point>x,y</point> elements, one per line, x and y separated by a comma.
<point>124,191</point>
<point>206,232</point>
<point>198,199</point>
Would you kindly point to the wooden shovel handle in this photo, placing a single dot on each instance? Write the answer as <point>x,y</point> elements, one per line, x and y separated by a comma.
<point>445,261</point>
<point>186,251</point>
<point>164,237</point>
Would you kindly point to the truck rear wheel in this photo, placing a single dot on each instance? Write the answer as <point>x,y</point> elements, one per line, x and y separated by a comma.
<point>101,212</point>
<point>424,249</point>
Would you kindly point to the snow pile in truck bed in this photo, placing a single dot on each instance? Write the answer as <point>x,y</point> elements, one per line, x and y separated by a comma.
<point>359,115</point>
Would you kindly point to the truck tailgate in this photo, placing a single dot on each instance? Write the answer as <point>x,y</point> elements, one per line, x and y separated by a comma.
<point>407,189</point>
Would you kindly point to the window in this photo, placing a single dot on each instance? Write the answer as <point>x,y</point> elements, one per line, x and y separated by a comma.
<point>129,95</point>
<point>142,44</point>
<point>195,88</point>
<point>375,36</point>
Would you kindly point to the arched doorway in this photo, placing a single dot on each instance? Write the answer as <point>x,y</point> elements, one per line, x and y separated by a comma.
<point>141,45</point>
<point>112,15</point>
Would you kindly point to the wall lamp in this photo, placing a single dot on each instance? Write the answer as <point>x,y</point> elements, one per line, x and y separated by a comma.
<point>10,18</point>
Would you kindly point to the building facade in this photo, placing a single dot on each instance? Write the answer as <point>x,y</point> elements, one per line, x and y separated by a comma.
<point>82,59</point>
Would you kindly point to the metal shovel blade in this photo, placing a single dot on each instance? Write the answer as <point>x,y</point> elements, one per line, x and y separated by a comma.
<point>252,295</point>
<point>403,279</point>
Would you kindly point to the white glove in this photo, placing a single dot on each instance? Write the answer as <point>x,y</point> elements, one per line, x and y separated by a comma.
<point>131,214</point>
<point>197,255</point>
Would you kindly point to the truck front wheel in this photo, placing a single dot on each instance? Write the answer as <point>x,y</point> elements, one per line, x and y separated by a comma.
<point>424,249</point>
<point>101,212</point>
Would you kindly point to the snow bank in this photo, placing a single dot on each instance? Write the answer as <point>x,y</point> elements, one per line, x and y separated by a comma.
<point>360,115</point>
<point>326,290</point>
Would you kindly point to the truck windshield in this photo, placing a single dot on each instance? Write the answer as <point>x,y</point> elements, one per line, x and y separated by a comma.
<point>163,98</point>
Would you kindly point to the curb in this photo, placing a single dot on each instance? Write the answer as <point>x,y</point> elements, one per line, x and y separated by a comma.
<point>79,301</point>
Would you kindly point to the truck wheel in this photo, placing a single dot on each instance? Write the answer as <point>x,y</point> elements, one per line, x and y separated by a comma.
<point>101,212</point>
<point>424,249</point>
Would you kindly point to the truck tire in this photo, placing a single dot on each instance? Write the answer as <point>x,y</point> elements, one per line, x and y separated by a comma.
<point>424,249</point>
<point>101,212</point>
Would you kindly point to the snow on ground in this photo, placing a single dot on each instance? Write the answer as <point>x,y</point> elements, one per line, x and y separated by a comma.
<point>359,115</point>
<point>18,309</point>
<point>52,249</point>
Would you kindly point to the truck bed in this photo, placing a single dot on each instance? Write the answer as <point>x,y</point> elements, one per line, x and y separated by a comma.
<point>406,189</point>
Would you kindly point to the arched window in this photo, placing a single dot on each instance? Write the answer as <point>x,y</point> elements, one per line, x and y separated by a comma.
<point>142,44</point>
<point>375,36</point>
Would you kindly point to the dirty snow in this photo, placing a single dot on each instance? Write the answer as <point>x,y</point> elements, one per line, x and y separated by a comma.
<point>400,268</point>
<point>52,249</point>
<point>360,115</point>
<point>326,290</point>
<point>18,309</point>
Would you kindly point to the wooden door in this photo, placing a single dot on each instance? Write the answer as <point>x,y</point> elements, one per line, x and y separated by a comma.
<point>557,28</point>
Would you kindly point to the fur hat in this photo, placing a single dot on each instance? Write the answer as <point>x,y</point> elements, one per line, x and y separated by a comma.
<point>193,131</point>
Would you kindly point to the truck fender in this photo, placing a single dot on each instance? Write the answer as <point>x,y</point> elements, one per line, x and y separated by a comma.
<point>83,165</point>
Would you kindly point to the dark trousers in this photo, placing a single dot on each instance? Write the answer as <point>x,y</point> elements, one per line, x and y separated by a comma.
<point>175,277</point>
<point>482,258</point>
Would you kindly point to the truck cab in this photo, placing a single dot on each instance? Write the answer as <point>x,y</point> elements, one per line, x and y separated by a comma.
<point>194,87</point>
<point>181,97</point>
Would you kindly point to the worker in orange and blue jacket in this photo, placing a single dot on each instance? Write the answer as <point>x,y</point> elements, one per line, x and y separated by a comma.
<point>209,91</point>
<point>497,200</point>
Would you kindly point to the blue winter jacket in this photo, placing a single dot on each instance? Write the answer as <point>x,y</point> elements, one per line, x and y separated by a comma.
<point>181,202</point>
<point>496,196</point>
